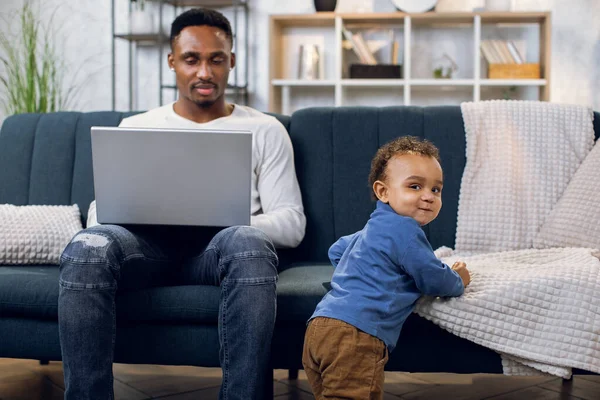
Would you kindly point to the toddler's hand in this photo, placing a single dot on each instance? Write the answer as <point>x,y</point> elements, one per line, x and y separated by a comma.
<point>462,271</point>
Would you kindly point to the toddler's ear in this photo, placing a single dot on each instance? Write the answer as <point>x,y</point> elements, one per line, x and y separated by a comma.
<point>381,191</point>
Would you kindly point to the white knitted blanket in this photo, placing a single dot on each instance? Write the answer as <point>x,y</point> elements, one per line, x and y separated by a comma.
<point>520,158</point>
<point>538,308</point>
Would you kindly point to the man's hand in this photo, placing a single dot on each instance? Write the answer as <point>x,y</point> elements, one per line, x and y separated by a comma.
<point>462,271</point>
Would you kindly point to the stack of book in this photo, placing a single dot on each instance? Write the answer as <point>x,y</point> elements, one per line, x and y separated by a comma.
<point>505,61</point>
<point>369,66</point>
<point>360,47</point>
<point>500,52</point>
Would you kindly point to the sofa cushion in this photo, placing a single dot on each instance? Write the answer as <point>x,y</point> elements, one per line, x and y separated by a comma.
<point>299,290</point>
<point>29,292</point>
<point>183,304</point>
<point>36,234</point>
<point>32,292</point>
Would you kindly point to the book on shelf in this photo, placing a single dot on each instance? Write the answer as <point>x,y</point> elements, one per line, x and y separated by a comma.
<point>363,48</point>
<point>514,52</point>
<point>360,47</point>
<point>395,52</point>
<point>489,53</point>
<point>500,52</point>
<point>348,36</point>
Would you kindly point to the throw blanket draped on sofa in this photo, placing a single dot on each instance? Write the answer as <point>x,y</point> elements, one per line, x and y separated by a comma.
<point>538,308</point>
<point>521,156</point>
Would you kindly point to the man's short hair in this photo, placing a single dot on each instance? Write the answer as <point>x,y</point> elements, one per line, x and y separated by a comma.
<point>399,146</point>
<point>200,17</point>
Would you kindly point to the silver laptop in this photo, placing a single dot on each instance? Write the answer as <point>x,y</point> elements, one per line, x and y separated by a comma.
<point>172,176</point>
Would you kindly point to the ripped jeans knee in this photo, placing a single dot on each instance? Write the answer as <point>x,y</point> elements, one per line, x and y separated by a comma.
<point>92,259</point>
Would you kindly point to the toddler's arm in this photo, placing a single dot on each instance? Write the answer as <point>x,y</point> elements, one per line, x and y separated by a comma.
<point>432,276</point>
<point>336,251</point>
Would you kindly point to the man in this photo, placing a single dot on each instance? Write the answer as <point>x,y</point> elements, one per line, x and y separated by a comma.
<point>242,260</point>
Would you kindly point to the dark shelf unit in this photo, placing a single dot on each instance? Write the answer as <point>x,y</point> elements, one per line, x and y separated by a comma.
<point>237,90</point>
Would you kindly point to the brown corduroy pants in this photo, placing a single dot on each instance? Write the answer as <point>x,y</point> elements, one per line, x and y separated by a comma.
<point>343,362</point>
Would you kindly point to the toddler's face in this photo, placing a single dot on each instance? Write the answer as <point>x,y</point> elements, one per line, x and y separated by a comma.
<point>413,187</point>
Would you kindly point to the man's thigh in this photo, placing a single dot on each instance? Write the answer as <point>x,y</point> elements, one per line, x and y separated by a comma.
<point>237,253</point>
<point>137,256</point>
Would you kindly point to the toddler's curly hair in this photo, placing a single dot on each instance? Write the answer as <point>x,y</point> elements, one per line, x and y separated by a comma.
<point>399,146</point>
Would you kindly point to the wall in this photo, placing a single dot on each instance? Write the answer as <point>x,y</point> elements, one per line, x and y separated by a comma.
<point>86,44</point>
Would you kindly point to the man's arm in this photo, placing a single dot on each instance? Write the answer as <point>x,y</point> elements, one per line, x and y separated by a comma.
<point>336,251</point>
<point>283,217</point>
<point>432,276</point>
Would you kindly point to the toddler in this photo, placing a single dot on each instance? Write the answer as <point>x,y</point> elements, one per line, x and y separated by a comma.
<point>380,272</point>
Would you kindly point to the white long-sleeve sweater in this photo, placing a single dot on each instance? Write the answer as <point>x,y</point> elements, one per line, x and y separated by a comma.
<point>276,203</point>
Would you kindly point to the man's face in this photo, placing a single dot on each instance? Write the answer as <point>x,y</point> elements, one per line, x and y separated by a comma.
<point>202,59</point>
<point>413,187</point>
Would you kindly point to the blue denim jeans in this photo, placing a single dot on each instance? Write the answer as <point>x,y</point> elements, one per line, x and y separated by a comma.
<point>106,258</point>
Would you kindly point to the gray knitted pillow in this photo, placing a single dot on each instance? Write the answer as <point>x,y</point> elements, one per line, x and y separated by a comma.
<point>575,219</point>
<point>36,234</point>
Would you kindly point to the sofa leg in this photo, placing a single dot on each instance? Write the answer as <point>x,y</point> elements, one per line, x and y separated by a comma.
<point>268,386</point>
<point>44,362</point>
<point>567,381</point>
<point>292,374</point>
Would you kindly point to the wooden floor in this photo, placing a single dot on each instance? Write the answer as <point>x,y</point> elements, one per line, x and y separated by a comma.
<point>27,380</point>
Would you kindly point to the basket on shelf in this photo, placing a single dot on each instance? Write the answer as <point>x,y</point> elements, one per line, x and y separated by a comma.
<point>514,71</point>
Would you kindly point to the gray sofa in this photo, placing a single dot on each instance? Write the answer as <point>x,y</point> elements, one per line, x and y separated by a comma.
<point>46,159</point>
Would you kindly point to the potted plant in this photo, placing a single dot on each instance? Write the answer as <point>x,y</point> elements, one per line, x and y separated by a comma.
<point>33,72</point>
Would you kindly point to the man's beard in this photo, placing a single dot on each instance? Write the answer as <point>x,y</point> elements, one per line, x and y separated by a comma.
<point>204,103</point>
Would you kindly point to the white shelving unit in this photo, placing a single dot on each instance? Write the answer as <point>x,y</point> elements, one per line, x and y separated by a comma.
<point>325,29</point>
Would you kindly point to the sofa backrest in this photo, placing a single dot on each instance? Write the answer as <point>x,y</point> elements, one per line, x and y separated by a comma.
<point>46,159</point>
<point>333,150</point>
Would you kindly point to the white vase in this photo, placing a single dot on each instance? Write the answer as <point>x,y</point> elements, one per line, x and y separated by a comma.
<point>143,21</point>
<point>498,5</point>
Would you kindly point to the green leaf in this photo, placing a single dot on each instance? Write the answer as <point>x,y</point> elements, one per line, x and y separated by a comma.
<point>34,72</point>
